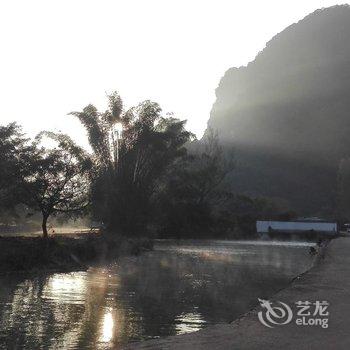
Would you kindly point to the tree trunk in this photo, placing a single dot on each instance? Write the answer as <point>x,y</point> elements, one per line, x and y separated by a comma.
<point>45,217</point>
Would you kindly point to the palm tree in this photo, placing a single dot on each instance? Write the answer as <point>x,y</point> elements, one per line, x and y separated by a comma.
<point>130,160</point>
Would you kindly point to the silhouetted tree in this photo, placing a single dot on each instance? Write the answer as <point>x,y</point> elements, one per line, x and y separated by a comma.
<point>58,179</point>
<point>132,150</point>
<point>195,192</point>
<point>14,151</point>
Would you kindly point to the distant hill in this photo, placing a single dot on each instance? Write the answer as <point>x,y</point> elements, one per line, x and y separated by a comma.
<point>288,113</point>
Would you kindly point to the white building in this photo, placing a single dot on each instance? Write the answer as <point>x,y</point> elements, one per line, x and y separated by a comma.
<point>296,226</point>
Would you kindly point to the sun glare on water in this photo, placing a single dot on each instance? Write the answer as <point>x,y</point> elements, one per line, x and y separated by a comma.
<point>107,327</point>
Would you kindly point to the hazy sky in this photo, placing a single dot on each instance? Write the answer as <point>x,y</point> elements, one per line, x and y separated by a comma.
<point>60,55</point>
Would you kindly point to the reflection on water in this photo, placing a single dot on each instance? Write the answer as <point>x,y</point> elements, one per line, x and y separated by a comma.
<point>107,327</point>
<point>178,288</point>
<point>189,322</point>
<point>66,288</point>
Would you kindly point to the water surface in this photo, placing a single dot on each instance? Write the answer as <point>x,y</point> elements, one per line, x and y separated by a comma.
<point>177,288</point>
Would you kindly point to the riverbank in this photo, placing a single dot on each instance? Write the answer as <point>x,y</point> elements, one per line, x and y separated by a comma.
<point>63,253</point>
<point>328,280</point>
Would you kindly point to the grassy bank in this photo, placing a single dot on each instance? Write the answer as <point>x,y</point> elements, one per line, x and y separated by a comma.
<point>65,253</point>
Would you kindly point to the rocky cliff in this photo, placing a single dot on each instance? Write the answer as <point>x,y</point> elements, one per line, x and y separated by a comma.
<point>287,113</point>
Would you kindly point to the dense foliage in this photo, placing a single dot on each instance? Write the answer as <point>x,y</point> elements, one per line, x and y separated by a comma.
<point>58,180</point>
<point>14,151</point>
<point>132,150</point>
<point>48,181</point>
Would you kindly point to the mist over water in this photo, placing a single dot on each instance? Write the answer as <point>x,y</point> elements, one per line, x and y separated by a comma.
<point>177,288</point>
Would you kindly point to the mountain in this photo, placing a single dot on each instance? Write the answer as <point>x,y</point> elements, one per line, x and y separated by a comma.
<point>287,113</point>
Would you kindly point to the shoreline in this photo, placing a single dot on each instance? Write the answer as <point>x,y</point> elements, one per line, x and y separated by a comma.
<point>68,253</point>
<point>35,255</point>
<point>319,282</point>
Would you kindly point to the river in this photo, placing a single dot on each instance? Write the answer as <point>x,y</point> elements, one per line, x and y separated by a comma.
<point>179,287</point>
